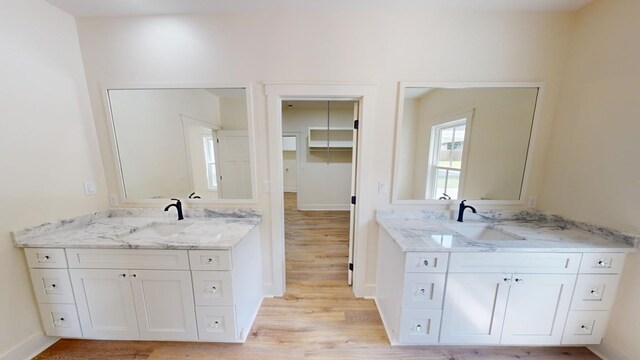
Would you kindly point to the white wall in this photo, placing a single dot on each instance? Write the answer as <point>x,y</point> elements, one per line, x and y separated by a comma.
<point>592,170</point>
<point>363,46</point>
<point>151,144</point>
<point>49,145</point>
<point>324,184</point>
<point>233,112</point>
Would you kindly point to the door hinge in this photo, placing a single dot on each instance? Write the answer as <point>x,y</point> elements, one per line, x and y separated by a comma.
<point>353,200</point>
<point>220,177</point>
<point>217,141</point>
<point>356,123</point>
<point>351,266</point>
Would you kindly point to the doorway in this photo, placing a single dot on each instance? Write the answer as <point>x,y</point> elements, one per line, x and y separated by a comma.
<point>319,153</point>
<point>363,94</point>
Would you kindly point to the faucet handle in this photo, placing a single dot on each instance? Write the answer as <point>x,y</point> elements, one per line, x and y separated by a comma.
<point>178,200</point>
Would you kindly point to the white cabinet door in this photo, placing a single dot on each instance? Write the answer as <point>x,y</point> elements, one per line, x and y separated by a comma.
<point>537,309</point>
<point>164,303</point>
<point>105,303</point>
<point>474,308</point>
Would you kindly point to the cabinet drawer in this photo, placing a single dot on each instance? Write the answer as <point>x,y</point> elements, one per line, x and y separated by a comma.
<point>128,259</point>
<point>585,327</point>
<point>609,263</point>
<point>60,320</point>
<point>426,262</point>
<point>595,292</point>
<point>419,326</point>
<point>423,291</point>
<point>52,286</point>
<point>534,263</point>
<point>212,288</point>
<point>216,323</point>
<point>45,258</point>
<point>210,259</point>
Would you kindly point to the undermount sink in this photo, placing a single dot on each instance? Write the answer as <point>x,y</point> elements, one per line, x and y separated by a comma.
<point>482,232</point>
<point>161,229</point>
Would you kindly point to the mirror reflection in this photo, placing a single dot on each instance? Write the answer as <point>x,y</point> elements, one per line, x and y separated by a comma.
<point>182,143</point>
<point>463,143</point>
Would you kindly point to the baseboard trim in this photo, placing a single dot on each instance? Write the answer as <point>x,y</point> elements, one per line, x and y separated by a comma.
<point>29,347</point>
<point>609,352</point>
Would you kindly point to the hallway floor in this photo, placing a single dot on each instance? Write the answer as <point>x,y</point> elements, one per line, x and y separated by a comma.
<point>318,317</point>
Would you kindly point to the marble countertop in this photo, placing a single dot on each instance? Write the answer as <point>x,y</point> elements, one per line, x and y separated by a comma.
<point>143,229</point>
<point>530,231</point>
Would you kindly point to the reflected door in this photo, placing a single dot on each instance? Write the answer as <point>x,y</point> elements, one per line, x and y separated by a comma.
<point>235,165</point>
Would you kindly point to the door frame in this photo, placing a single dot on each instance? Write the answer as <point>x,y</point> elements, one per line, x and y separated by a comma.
<point>365,95</point>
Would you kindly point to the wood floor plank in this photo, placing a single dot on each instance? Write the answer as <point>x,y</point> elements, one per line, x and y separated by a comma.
<point>317,318</point>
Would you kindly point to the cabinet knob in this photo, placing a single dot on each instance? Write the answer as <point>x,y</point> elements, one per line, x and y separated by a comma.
<point>419,328</point>
<point>50,288</point>
<point>422,291</point>
<point>602,263</point>
<point>122,275</point>
<point>519,280</point>
<point>584,328</point>
<point>134,275</point>
<point>58,322</point>
<point>214,325</point>
<point>595,292</point>
<point>506,280</point>
<point>213,290</point>
<point>209,260</point>
<point>425,262</point>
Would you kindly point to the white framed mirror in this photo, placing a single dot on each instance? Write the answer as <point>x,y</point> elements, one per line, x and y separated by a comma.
<point>191,143</point>
<point>464,141</point>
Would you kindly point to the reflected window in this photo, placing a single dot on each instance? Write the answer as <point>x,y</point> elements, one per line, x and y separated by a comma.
<point>446,158</point>
<point>210,162</point>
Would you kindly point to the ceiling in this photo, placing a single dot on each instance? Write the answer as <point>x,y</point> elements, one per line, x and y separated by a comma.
<point>89,8</point>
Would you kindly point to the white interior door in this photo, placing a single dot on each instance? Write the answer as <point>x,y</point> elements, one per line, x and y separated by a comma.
<point>234,178</point>
<point>354,175</point>
<point>105,303</point>
<point>164,300</point>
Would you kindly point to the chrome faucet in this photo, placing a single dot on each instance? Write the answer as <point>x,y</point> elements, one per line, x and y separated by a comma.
<point>462,208</point>
<point>178,206</point>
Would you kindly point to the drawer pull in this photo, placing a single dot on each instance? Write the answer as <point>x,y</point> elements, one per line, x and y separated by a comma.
<point>422,291</point>
<point>134,275</point>
<point>595,292</point>
<point>519,280</point>
<point>215,325</point>
<point>419,328</point>
<point>506,280</point>
<point>585,329</point>
<point>602,263</point>
<point>59,322</point>
<point>426,262</point>
<point>213,290</point>
<point>50,288</point>
<point>122,275</point>
<point>209,260</point>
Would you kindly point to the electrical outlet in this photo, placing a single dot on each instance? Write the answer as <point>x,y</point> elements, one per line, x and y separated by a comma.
<point>532,201</point>
<point>113,200</point>
<point>89,188</point>
<point>266,186</point>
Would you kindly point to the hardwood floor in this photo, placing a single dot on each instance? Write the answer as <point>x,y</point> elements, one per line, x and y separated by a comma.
<point>318,317</point>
